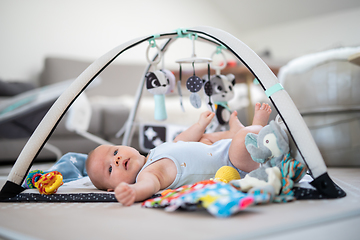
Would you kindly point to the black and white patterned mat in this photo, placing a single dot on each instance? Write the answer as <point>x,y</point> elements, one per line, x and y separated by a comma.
<point>71,197</point>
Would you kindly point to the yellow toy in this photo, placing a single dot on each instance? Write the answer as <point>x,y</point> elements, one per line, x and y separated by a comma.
<point>49,182</point>
<point>226,174</point>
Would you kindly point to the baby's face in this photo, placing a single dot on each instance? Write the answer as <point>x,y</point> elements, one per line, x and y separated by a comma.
<point>111,165</point>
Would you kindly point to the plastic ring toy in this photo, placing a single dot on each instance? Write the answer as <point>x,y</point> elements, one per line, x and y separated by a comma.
<point>49,183</point>
<point>32,178</point>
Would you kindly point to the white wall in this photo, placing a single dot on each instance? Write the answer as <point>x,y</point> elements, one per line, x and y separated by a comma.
<point>294,39</point>
<point>31,30</point>
<point>86,29</point>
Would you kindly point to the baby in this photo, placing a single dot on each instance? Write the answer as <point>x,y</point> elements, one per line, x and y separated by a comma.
<point>193,156</point>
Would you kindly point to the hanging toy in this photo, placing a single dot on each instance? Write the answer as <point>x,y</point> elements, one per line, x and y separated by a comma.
<point>193,83</point>
<point>220,88</point>
<point>159,83</point>
<point>46,183</point>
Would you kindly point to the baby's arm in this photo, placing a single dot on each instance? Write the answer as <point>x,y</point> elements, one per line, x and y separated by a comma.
<point>127,194</point>
<point>196,131</point>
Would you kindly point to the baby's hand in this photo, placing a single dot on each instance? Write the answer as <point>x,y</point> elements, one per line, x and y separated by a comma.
<point>125,194</point>
<point>205,118</point>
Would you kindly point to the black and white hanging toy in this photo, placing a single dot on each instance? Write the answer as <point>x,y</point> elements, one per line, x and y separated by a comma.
<point>159,82</point>
<point>220,88</point>
<point>194,83</point>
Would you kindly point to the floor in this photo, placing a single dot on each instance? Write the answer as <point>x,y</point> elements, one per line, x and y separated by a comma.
<point>315,219</point>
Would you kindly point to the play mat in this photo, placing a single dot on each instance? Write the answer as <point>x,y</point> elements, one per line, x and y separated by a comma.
<point>280,178</point>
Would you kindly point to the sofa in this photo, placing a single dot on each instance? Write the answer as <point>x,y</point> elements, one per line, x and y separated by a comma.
<point>111,100</point>
<point>324,86</point>
<point>58,69</point>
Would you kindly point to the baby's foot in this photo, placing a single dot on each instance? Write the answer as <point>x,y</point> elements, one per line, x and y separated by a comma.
<point>234,123</point>
<point>262,114</point>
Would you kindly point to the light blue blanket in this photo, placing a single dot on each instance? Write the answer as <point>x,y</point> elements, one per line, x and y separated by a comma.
<point>71,166</point>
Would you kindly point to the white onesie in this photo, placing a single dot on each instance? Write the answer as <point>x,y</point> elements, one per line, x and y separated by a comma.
<point>194,161</point>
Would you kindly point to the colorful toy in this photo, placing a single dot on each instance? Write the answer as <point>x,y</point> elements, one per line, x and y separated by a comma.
<point>218,198</point>
<point>46,183</point>
<point>226,174</point>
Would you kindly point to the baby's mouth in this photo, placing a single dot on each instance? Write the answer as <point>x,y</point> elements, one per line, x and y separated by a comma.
<point>125,163</point>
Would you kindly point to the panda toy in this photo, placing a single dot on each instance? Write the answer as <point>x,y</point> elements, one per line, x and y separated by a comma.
<point>159,83</point>
<point>220,89</point>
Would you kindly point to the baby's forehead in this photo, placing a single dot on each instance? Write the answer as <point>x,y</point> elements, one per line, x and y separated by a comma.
<point>95,169</point>
<point>101,151</point>
<point>96,157</point>
<point>102,148</point>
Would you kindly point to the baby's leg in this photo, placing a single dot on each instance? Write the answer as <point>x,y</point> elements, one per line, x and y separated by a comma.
<point>235,126</point>
<point>238,154</point>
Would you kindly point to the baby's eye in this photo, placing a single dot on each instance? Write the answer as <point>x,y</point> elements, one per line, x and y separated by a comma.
<point>110,169</point>
<point>116,152</point>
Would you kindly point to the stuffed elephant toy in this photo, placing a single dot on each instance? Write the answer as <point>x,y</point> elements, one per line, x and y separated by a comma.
<point>267,148</point>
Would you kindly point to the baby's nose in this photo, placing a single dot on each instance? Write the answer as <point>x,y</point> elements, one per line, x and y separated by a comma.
<point>117,161</point>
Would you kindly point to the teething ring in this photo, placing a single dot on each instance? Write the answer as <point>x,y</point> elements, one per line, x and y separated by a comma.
<point>49,183</point>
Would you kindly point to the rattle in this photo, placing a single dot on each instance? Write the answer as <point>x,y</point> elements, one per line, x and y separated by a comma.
<point>159,83</point>
<point>47,183</point>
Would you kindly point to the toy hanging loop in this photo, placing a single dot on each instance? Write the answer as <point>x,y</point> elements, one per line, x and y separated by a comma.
<point>152,44</point>
<point>193,37</point>
<point>218,68</point>
<point>193,58</point>
<point>181,33</point>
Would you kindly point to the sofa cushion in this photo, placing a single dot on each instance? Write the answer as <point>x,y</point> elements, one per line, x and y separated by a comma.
<point>116,79</point>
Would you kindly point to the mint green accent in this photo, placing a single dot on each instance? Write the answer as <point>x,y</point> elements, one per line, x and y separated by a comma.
<point>195,35</point>
<point>219,49</point>
<point>160,109</point>
<point>18,104</point>
<point>224,104</point>
<point>181,32</point>
<point>152,41</point>
<point>273,89</point>
<point>256,82</point>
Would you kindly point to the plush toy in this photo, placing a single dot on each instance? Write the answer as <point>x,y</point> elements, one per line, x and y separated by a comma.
<point>278,170</point>
<point>267,148</point>
<point>220,89</point>
<point>46,183</point>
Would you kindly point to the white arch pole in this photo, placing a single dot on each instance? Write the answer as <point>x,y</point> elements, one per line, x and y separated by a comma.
<point>55,113</point>
<point>267,79</point>
<point>281,99</point>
